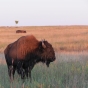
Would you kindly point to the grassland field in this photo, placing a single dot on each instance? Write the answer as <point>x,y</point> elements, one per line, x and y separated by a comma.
<point>65,38</point>
<point>70,70</point>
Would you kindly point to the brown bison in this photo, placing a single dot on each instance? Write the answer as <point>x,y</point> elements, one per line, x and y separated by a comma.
<point>20,31</point>
<point>24,53</point>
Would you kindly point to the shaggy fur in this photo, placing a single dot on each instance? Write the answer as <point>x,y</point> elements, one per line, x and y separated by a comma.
<point>24,53</point>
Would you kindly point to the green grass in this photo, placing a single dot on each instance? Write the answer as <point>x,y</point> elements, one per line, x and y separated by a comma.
<point>62,73</point>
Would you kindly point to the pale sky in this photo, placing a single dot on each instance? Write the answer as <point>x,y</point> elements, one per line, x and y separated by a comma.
<point>43,12</point>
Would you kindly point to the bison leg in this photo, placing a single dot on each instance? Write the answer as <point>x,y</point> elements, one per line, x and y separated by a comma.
<point>10,66</point>
<point>13,72</point>
<point>26,72</point>
<point>20,69</point>
<point>47,63</point>
<point>10,71</point>
<point>30,75</point>
<point>22,73</point>
<point>29,69</point>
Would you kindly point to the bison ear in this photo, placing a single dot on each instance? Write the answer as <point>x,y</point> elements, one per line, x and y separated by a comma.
<point>43,45</point>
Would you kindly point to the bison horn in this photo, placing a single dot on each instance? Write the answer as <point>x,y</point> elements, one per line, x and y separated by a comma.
<point>43,45</point>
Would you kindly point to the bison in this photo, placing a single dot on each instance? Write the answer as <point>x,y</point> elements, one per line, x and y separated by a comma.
<point>20,31</point>
<point>25,52</point>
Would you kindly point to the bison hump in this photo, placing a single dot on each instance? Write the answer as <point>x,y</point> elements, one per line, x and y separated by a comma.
<point>26,45</point>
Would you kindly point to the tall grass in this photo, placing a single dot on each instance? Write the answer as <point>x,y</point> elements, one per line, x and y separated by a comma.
<point>63,73</point>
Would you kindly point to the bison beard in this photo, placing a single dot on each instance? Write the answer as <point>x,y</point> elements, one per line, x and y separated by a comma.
<point>24,53</point>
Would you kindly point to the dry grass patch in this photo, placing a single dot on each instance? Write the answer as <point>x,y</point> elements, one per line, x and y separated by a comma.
<point>67,38</point>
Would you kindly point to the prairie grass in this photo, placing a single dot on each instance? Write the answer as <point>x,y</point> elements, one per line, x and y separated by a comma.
<point>68,71</point>
<point>67,38</point>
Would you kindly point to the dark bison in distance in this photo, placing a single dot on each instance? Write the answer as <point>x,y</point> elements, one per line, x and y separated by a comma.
<point>24,53</point>
<point>20,31</point>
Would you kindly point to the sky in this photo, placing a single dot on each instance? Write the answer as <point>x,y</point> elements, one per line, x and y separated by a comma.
<point>43,12</point>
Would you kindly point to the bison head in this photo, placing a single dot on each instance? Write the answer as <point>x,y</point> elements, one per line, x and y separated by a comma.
<point>47,52</point>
